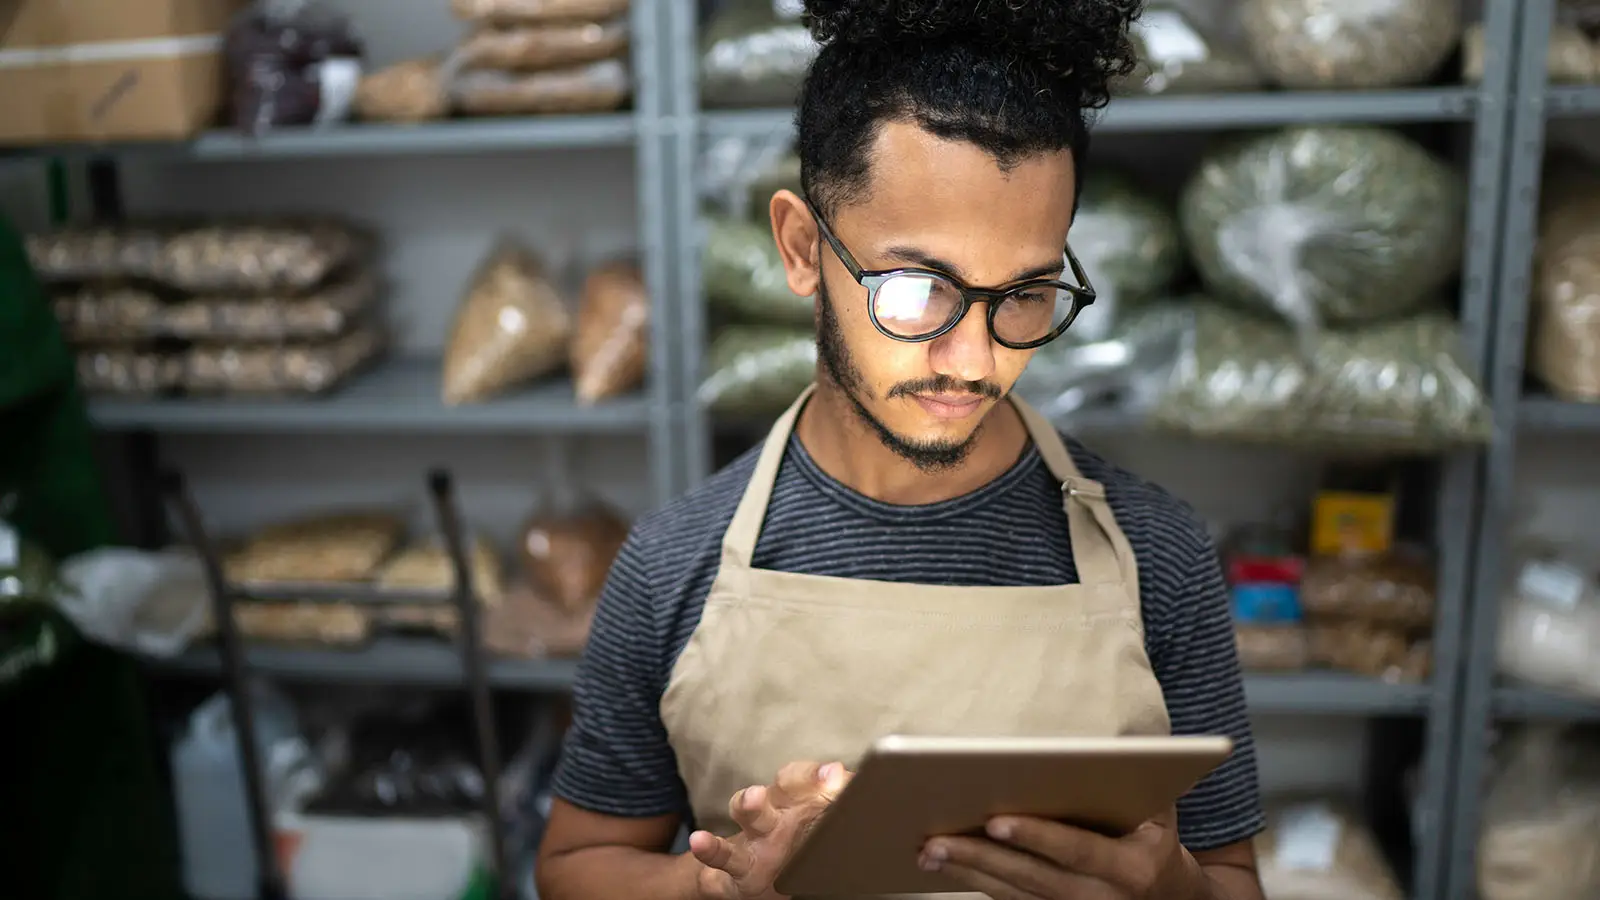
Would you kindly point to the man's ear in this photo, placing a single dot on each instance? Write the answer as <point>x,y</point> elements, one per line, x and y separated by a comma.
<point>796,233</point>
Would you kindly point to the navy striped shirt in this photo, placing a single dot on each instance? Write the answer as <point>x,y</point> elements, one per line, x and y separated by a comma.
<point>1011,532</point>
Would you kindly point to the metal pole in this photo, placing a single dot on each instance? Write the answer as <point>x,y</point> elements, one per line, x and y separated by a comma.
<point>476,671</point>
<point>236,682</point>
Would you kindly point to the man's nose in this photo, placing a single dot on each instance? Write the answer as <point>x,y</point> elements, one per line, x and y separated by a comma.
<point>966,351</point>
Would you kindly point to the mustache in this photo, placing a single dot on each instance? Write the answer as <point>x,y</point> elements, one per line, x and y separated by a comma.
<point>944,384</point>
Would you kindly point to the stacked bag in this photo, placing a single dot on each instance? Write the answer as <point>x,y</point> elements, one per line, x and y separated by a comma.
<point>519,57</point>
<point>1564,341</point>
<point>214,308</point>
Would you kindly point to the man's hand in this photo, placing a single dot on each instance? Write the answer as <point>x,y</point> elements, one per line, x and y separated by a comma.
<point>1033,859</point>
<point>771,820</point>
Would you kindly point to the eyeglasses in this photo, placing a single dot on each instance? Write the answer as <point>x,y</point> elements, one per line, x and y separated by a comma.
<point>913,304</point>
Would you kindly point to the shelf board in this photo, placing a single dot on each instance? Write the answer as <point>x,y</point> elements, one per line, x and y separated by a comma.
<point>447,137</point>
<point>414,662</point>
<point>1524,703</point>
<point>1333,694</point>
<point>1564,101</point>
<point>1539,412</point>
<point>395,396</point>
<point>1195,112</point>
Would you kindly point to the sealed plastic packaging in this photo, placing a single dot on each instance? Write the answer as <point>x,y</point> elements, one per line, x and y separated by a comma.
<point>411,90</point>
<point>280,369</point>
<point>1541,817</point>
<point>597,87</point>
<point>754,54</point>
<point>329,547</point>
<point>325,313</point>
<point>1564,351</point>
<point>529,625</point>
<point>1335,225</point>
<point>568,556</point>
<point>745,278</point>
<point>755,371</point>
<point>291,62</point>
<point>1395,591</point>
<point>1178,56</point>
<point>1267,648</point>
<point>426,566</point>
<point>95,253</point>
<point>512,13</point>
<point>1351,43</point>
<point>1389,654</point>
<point>315,624</point>
<point>511,327</point>
<point>611,344</point>
<point>1570,58</point>
<point>538,47</point>
<point>128,371</point>
<point>1318,850</point>
<point>109,314</point>
<point>1550,629</point>
<point>1130,247</point>
<point>1399,385</point>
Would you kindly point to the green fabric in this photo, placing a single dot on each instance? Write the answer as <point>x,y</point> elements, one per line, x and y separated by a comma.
<point>79,773</point>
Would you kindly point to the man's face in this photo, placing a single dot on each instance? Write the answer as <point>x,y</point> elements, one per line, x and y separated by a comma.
<point>947,206</point>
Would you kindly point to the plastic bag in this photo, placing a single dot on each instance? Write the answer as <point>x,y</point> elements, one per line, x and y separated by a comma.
<point>1130,247</point>
<point>611,344</point>
<point>755,371</point>
<point>1272,647</point>
<point>326,312</point>
<point>528,625</point>
<point>1395,591</point>
<point>1565,345</point>
<point>597,87</point>
<point>511,327</point>
<point>280,369</point>
<point>314,624</point>
<point>1317,850</point>
<point>753,56</point>
<point>95,253</point>
<point>411,90</point>
<point>1176,56</point>
<point>537,47</point>
<point>1541,818</point>
<point>153,603</point>
<point>1351,43</point>
<point>1397,386</point>
<point>427,567</point>
<point>1550,629</point>
<point>291,62</point>
<point>511,13</point>
<point>1570,57</point>
<point>567,557</point>
<point>1394,655</point>
<point>120,371</point>
<point>1325,224</point>
<point>332,547</point>
<point>745,278</point>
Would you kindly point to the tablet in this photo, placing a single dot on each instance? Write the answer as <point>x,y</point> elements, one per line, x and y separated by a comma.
<point>908,789</point>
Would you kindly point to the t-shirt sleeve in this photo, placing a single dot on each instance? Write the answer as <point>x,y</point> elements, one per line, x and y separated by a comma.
<point>1197,663</point>
<point>615,759</point>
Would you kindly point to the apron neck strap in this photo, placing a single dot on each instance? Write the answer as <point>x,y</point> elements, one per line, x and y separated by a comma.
<point>1100,551</point>
<point>739,541</point>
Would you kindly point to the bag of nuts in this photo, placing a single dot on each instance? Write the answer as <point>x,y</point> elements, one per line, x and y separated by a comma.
<point>334,547</point>
<point>408,91</point>
<point>597,87</point>
<point>511,327</point>
<point>611,345</point>
<point>109,314</point>
<point>255,258</point>
<point>269,369</point>
<point>1395,590</point>
<point>324,313</point>
<point>128,371</point>
<point>510,13</point>
<point>536,47</point>
<point>567,557</point>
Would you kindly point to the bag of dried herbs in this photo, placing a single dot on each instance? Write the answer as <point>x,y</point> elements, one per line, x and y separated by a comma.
<point>754,371</point>
<point>1325,224</point>
<point>1351,43</point>
<point>744,276</point>
<point>1130,247</point>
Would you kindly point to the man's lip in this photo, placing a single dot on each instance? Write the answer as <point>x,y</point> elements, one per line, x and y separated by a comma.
<point>953,406</point>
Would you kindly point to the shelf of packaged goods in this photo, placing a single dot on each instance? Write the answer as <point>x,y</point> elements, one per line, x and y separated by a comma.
<point>396,396</point>
<point>1201,111</point>
<point>1333,693</point>
<point>451,137</point>
<point>411,662</point>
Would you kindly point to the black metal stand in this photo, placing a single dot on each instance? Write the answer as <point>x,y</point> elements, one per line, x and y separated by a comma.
<point>236,669</point>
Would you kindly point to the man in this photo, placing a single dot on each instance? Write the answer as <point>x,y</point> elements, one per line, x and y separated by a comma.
<point>911,551</point>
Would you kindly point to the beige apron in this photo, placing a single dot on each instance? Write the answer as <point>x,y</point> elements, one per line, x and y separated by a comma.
<point>786,667</point>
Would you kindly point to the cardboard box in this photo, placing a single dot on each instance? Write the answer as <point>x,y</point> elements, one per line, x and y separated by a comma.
<point>102,70</point>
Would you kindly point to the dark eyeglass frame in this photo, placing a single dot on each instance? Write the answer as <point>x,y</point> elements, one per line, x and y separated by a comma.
<point>1083,293</point>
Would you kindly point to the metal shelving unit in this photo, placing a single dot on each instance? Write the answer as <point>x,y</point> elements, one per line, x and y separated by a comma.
<point>1485,700</point>
<point>1483,108</point>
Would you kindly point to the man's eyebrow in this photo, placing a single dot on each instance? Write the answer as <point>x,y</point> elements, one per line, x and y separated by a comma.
<point>924,260</point>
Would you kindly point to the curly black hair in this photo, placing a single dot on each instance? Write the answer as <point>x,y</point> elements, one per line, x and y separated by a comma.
<point>1014,77</point>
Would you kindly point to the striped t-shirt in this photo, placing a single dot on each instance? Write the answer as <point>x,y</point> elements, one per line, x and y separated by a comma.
<point>1011,532</point>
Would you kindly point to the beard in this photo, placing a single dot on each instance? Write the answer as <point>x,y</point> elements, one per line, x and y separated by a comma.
<point>929,456</point>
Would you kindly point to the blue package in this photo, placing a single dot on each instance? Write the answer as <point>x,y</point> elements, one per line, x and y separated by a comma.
<point>1266,603</point>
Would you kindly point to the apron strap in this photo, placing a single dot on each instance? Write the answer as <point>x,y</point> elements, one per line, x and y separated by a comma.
<point>739,541</point>
<point>1100,550</point>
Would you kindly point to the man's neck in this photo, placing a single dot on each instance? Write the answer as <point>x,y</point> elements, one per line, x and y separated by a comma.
<point>849,451</point>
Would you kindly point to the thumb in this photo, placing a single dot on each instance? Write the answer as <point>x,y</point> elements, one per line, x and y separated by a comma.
<point>834,778</point>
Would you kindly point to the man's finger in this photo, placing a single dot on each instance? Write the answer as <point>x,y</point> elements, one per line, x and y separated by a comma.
<point>1074,849</point>
<point>985,884</point>
<point>751,809</point>
<point>797,782</point>
<point>731,857</point>
<point>1007,865</point>
<point>715,884</point>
